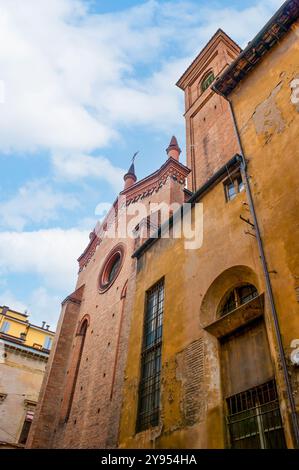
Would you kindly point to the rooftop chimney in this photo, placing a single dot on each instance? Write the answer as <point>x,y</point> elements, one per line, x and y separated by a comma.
<point>4,309</point>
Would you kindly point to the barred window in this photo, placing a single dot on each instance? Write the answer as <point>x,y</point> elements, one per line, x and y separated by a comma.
<point>149,391</point>
<point>237,297</point>
<point>254,419</point>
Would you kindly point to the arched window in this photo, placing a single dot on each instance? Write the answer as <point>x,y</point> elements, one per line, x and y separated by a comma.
<point>114,268</point>
<point>237,297</point>
<point>111,267</point>
<point>207,80</point>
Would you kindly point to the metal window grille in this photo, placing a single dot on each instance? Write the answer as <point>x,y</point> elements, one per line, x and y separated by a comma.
<point>246,293</point>
<point>149,391</point>
<point>239,296</point>
<point>230,304</point>
<point>254,420</point>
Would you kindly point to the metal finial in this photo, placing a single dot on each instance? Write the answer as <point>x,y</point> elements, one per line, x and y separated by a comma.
<point>134,156</point>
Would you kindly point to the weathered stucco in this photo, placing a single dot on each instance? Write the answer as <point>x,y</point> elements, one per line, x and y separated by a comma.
<point>21,375</point>
<point>196,282</point>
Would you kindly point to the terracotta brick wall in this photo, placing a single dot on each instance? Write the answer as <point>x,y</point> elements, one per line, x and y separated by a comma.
<point>95,413</point>
<point>210,135</point>
<point>46,417</point>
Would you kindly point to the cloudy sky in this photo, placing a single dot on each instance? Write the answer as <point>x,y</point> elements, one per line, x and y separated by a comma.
<point>83,85</point>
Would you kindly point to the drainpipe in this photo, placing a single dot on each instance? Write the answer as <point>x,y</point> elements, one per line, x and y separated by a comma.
<point>287,381</point>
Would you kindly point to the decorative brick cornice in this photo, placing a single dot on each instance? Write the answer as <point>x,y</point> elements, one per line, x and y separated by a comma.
<point>89,251</point>
<point>171,169</point>
<point>154,182</point>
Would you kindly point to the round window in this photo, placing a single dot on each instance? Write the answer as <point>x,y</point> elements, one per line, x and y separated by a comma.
<point>111,268</point>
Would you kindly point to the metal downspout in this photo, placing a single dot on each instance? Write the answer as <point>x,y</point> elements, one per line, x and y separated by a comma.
<point>267,280</point>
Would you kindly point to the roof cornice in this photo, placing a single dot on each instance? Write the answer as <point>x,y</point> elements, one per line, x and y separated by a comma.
<point>155,177</point>
<point>262,43</point>
<point>139,190</point>
<point>204,55</point>
<point>24,349</point>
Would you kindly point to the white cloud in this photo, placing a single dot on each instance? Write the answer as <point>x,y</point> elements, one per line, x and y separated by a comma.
<point>57,61</point>
<point>76,166</point>
<point>50,254</point>
<point>73,81</point>
<point>41,305</point>
<point>102,209</point>
<point>49,257</point>
<point>35,202</point>
<point>72,78</point>
<point>39,57</point>
<point>240,23</point>
<point>44,305</point>
<point>7,298</point>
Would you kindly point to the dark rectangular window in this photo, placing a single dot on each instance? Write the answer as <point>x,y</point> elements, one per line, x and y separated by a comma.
<point>26,427</point>
<point>149,391</point>
<point>254,419</point>
<point>233,185</point>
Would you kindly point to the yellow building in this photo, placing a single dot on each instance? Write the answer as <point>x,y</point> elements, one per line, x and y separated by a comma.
<point>216,328</point>
<point>24,352</point>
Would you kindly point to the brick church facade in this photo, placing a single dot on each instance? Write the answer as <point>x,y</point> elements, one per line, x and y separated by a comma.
<point>85,375</point>
<point>229,308</point>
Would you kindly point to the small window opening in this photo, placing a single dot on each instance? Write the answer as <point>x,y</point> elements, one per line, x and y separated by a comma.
<point>207,81</point>
<point>239,296</point>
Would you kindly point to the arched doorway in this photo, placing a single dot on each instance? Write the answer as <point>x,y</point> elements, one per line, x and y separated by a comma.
<point>249,392</point>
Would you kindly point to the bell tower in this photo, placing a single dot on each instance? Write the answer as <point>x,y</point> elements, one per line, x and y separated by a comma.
<point>210,138</point>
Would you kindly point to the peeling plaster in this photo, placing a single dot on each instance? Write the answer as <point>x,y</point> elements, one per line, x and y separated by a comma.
<point>267,117</point>
<point>294,85</point>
